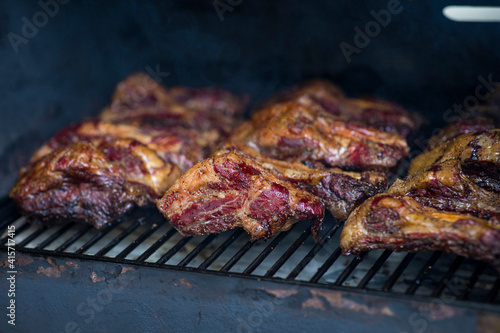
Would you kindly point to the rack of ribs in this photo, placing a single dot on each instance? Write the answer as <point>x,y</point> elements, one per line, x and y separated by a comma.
<point>449,202</point>
<point>98,169</point>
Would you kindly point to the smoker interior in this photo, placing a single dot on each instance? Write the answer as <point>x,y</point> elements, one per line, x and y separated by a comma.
<point>68,70</point>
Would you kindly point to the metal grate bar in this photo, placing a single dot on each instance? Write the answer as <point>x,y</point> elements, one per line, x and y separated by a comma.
<point>54,236</point>
<point>73,239</point>
<point>398,271</point>
<point>196,250</point>
<point>180,244</point>
<point>472,281</point>
<point>374,269</point>
<point>105,249</point>
<point>412,288</point>
<point>139,240</point>
<point>350,268</point>
<point>34,235</point>
<point>25,226</point>
<point>220,249</point>
<point>446,278</point>
<point>244,249</point>
<point>328,263</point>
<point>492,295</point>
<point>97,237</point>
<point>263,255</point>
<point>152,249</point>
<point>288,253</point>
<point>316,248</point>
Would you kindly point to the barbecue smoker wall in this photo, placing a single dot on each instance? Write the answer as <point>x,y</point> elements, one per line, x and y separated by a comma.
<point>61,59</point>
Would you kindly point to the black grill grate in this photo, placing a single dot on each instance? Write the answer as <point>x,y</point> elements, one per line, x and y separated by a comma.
<point>143,237</point>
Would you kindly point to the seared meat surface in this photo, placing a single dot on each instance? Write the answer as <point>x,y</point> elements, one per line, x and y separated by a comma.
<point>96,170</point>
<point>233,190</point>
<point>401,223</point>
<point>376,113</point>
<point>449,202</point>
<point>341,191</point>
<point>293,132</point>
<point>293,141</point>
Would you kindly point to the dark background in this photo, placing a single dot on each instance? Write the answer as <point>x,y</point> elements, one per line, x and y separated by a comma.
<point>68,70</point>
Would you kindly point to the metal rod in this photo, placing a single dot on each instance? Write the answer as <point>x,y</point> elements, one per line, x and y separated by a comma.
<point>237,256</point>
<point>412,288</point>
<point>446,278</point>
<point>54,236</point>
<point>20,229</point>
<point>97,237</point>
<point>326,265</point>
<point>180,244</point>
<point>350,268</point>
<point>472,281</point>
<point>139,240</point>
<point>397,272</point>
<point>196,251</point>
<point>106,248</point>
<point>374,269</point>
<point>152,249</point>
<point>204,265</point>
<point>73,238</point>
<point>288,253</point>
<point>263,255</point>
<point>316,248</point>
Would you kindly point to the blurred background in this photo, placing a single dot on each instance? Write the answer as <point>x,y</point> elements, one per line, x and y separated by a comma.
<point>60,60</point>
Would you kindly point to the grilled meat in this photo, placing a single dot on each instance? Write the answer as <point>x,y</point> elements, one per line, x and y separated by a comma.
<point>96,170</point>
<point>233,190</point>
<point>449,202</point>
<point>478,123</point>
<point>401,223</point>
<point>341,191</point>
<point>376,113</point>
<point>293,132</point>
<point>93,181</point>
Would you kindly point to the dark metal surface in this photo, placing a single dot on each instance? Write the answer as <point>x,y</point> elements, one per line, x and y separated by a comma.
<point>321,287</point>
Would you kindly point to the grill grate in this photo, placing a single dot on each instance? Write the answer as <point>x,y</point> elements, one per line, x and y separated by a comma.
<point>143,237</point>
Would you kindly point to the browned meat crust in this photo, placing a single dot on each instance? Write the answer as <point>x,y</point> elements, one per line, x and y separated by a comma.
<point>233,190</point>
<point>96,170</point>
<point>376,113</point>
<point>452,204</point>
